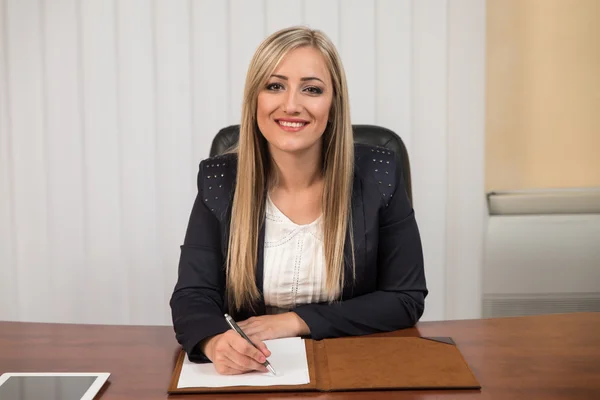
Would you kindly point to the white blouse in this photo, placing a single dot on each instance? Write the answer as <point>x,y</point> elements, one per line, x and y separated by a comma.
<point>294,263</point>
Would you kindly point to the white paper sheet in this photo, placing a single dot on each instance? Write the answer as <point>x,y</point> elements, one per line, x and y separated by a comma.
<point>288,358</point>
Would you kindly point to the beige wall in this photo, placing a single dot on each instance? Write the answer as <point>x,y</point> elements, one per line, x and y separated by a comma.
<point>542,94</point>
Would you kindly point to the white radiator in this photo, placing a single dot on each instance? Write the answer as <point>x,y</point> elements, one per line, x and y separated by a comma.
<point>542,253</point>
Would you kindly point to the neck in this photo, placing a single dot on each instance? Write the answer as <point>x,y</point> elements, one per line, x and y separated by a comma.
<point>298,171</point>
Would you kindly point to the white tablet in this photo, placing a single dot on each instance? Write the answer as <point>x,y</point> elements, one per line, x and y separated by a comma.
<point>51,385</point>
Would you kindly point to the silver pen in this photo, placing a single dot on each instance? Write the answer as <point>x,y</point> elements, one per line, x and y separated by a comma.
<point>239,330</point>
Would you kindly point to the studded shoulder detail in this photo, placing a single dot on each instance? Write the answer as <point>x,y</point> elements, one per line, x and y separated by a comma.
<point>377,165</point>
<point>217,178</point>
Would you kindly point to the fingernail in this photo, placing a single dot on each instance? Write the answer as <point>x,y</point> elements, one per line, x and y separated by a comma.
<point>262,359</point>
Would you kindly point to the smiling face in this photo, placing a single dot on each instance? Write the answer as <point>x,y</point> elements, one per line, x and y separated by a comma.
<point>293,107</point>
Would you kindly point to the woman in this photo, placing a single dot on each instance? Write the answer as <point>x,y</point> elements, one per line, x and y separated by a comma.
<point>298,232</point>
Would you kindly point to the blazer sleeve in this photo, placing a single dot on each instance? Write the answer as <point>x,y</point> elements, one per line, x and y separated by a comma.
<point>197,302</point>
<point>399,299</point>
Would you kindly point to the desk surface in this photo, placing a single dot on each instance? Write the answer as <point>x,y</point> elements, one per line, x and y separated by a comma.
<point>539,357</point>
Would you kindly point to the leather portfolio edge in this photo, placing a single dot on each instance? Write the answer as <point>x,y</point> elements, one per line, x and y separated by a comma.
<point>450,341</point>
<point>311,359</point>
<point>318,374</point>
<point>438,339</point>
<point>176,372</point>
<point>447,340</point>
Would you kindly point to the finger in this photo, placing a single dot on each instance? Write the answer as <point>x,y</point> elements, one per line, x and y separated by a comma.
<point>244,363</point>
<point>233,366</point>
<point>248,350</point>
<point>246,355</point>
<point>227,368</point>
<point>224,365</point>
<point>230,371</point>
<point>262,347</point>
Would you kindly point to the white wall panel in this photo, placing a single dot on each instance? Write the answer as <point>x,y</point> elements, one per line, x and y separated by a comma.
<point>247,29</point>
<point>9,307</point>
<point>64,156</point>
<point>104,260</point>
<point>393,76</point>
<point>175,180</point>
<point>466,208</point>
<point>429,142</point>
<point>357,49</point>
<point>25,56</point>
<point>107,107</point>
<point>210,75</point>
<point>324,15</point>
<point>283,14</point>
<point>138,135</point>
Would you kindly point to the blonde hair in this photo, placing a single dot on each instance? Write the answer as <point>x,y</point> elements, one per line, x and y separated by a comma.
<point>254,171</point>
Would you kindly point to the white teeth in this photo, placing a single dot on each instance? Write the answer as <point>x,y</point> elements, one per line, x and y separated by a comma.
<point>292,124</point>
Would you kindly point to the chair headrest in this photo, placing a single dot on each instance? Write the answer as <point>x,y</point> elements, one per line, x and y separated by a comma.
<point>364,134</point>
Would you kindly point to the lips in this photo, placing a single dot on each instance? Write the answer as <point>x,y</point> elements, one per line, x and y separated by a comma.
<point>291,125</point>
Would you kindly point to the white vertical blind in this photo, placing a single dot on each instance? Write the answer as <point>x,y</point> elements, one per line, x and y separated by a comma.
<point>175,169</point>
<point>393,75</point>
<point>107,277</point>
<point>429,140</point>
<point>8,270</point>
<point>281,14</point>
<point>29,159</point>
<point>64,155</point>
<point>465,207</point>
<point>247,28</point>
<point>137,77</point>
<point>324,15</point>
<point>357,49</point>
<point>107,107</point>
<point>211,71</point>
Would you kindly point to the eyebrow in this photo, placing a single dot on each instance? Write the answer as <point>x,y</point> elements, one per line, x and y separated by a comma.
<point>306,78</point>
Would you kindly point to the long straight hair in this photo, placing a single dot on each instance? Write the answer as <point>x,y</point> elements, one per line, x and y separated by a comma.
<point>255,172</point>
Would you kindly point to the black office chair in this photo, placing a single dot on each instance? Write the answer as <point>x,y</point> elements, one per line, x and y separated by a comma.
<point>365,134</point>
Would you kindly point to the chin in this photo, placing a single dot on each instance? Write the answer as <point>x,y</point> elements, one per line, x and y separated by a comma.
<point>293,148</point>
<point>291,142</point>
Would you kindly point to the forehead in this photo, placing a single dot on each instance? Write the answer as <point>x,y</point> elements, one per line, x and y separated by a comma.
<point>303,62</point>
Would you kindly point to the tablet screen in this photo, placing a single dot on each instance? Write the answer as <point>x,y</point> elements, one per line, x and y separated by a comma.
<point>50,386</point>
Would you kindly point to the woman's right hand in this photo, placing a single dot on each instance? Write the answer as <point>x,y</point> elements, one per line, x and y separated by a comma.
<point>232,354</point>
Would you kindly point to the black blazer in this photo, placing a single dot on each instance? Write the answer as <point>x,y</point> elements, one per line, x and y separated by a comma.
<point>388,293</point>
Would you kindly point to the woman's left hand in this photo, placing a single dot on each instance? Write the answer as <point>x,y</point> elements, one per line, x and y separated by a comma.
<point>276,326</point>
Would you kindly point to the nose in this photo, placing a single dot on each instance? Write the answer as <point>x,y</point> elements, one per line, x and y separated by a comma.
<point>291,103</point>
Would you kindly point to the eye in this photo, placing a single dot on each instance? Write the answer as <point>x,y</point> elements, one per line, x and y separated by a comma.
<point>314,90</point>
<point>274,86</point>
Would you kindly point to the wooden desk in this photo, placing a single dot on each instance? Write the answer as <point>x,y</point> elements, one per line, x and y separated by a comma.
<point>541,357</point>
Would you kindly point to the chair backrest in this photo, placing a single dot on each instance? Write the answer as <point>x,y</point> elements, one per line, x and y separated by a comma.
<point>365,134</point>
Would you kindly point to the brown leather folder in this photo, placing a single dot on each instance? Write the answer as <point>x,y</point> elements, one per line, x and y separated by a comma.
<point>369,363</point>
